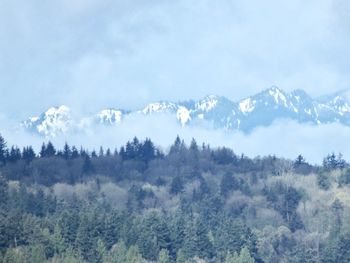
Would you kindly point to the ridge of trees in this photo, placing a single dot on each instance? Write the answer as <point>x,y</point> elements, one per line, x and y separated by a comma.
<point>189,204</point>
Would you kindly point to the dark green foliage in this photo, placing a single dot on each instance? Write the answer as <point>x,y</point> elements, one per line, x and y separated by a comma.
<point>334,162</point>
<point>228,183</point>
<point>176,185</point>
<point>140,204</point>
<point>224,156</point>
<point>2,150</point>
<point>88,168</point>
<point>28,154</point>
<point>47,150</point>
<point>67,153</point>
<point>301,166</point>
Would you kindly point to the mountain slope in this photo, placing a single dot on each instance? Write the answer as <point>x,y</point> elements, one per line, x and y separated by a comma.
<point>261,109</point>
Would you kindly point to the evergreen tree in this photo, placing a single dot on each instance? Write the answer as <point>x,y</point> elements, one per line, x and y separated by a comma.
<point>176,147</point>
<point>2,151</point>
<point>101,152</point>
<point>75,153</point>
<point>148,150</point>
<point>88,168</point>
<point>93,154</point>
<point>28,154</point>
<point>67,153</point>
<point>43,150</point>
<point>176,185</point>
<point>50,150</point>
<point>228,183</point>
<point>14,154</point>
<point>203,245</point>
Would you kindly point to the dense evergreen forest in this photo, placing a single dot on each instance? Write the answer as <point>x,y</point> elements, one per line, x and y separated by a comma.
<point>190,203</point>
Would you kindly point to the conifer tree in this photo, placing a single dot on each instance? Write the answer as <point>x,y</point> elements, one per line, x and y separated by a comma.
<point>2,150</point>
<point>67,153</point>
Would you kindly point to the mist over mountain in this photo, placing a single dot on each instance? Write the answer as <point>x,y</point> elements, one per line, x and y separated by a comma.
<point>218,112</point>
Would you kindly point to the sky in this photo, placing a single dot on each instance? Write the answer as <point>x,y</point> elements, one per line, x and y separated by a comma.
<point>92,54</point>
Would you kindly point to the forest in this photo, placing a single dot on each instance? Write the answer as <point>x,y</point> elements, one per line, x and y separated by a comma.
<point>188,203</point>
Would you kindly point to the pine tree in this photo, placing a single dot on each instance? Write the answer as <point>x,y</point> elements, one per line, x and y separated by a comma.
<point>93,154</point>
<point>176,147</point>
<point>176,185</point>
<point>228,183</point>
<point>75,153</point>
<point>14,154</point>
<point>50,150</point>
<point>67,153</point>
<point>147,151</point>
<point>204,246</point>
<point>88,168</point>
<point>28,154</point>
<point>101,152</point>
<point>2,150</point>
<point>122,153</point>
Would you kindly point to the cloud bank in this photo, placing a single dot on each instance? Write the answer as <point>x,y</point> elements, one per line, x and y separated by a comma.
<point>283,139</point>
<point>98,53</point>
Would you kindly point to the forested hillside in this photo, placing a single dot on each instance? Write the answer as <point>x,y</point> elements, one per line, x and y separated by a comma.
<point>188,203</point>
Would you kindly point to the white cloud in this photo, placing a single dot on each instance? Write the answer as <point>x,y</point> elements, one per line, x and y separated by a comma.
<point>284,138</point>
<point>167,50</point>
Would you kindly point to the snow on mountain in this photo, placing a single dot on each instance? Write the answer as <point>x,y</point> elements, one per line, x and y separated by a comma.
<point>110,116</point>
<point>183,115</point>
<point>54,121</point>
<point>261,109</point>
<point>218,110</point>
<point>208,103</point>
<point>247,105</point>
<point>160,107</point>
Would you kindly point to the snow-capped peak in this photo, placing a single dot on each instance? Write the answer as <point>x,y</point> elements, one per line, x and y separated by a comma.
<point>208,103</point>
<point>52,122</point>
<point>56,111</point>
<point>159,107</point>
<point>110,116</point>
<point>261,109</point>
<point>278,95</point>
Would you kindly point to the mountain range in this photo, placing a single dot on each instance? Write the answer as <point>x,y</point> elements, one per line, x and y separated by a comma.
<point>261,109</point>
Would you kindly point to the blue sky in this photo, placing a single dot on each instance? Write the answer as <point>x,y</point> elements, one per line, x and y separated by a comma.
<point>91,54</point>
